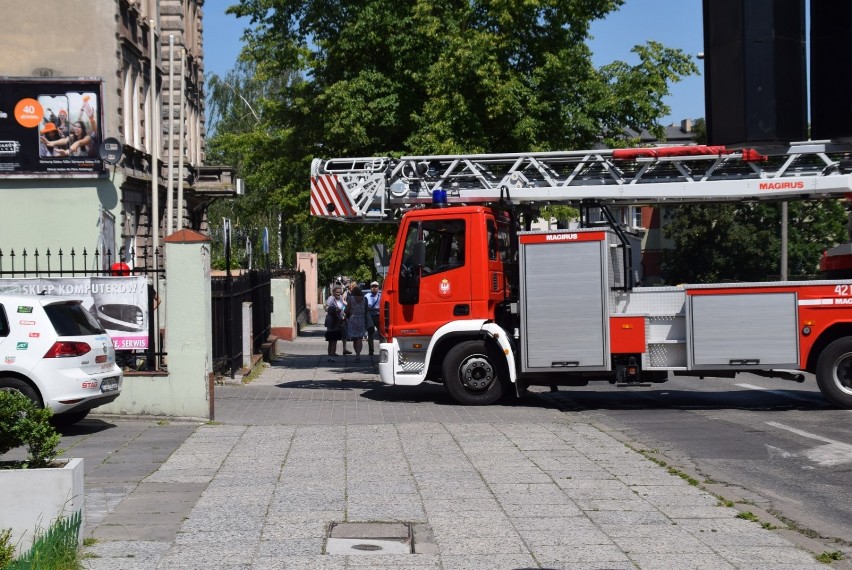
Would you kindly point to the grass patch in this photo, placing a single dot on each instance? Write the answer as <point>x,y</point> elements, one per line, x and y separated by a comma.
<point>163,422</point>
<point>7,550</point>
<point>691,480</point>
<point>829,557</point>
<point>748,515</point>
<point>56,549</point>
<point>255,372</point>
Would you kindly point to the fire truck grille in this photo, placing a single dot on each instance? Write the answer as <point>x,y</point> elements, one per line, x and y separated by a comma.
<point>409,366</point>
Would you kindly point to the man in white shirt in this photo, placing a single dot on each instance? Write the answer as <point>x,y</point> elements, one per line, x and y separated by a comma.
<point>374,299</point>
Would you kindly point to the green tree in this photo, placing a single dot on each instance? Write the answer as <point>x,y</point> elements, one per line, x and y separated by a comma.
<point>742,242</point>
<point>382,77</point>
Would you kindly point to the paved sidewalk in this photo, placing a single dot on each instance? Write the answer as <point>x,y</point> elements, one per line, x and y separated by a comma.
<point>311,443</point>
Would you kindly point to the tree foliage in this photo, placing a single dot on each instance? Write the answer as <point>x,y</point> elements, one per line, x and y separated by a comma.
<point>742,242</point>
<point>393,77</point>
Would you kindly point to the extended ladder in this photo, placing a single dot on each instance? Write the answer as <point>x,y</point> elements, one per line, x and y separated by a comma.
<point>381,188</point>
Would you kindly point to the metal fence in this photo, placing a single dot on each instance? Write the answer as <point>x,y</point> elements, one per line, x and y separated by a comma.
<point>229,292</point>
<point>82,263</point>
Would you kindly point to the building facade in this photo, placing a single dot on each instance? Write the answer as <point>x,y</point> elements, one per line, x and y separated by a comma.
<point>129,75</point>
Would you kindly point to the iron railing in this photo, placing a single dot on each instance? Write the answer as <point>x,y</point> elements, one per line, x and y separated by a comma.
<point>74,263</point>
<point>229,292</point>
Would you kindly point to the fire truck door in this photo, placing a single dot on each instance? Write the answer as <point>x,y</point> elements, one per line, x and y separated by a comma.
<point>445,282</point>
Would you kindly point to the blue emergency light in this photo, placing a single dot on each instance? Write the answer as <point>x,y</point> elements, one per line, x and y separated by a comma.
<point>439,197</point>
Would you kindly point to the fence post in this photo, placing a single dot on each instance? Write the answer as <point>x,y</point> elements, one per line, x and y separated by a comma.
<point>189,331</point>
<point>248,336</point>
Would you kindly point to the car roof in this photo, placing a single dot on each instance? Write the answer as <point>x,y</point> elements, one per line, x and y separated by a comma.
<point>40,299</point>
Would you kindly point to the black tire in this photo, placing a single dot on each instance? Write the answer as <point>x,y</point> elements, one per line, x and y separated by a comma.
<point>470,376</point>
<point>834,372</point>
<point>68,418</point>
<point>16,385</point>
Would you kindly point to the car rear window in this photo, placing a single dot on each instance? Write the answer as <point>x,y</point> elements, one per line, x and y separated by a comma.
<point>4,323</point>
<point>70,319</point>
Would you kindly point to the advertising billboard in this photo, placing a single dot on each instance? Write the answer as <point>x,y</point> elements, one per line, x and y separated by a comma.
<point>50,126</point>
<point>119,304</point>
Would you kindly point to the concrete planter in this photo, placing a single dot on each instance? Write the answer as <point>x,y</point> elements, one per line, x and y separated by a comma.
<point>32,499</point>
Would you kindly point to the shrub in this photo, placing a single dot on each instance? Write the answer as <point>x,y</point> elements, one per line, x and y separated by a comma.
<point>23,423</point>
<point>7,549</point>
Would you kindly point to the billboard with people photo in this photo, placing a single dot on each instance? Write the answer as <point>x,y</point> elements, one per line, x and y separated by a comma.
<point>50,126</point>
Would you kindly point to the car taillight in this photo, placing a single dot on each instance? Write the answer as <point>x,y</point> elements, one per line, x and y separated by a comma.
<point>66,349</point>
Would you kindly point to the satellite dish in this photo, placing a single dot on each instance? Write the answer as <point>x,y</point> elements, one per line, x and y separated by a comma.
<point>111,150</point>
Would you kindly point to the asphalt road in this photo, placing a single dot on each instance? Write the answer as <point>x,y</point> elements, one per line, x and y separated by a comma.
<point>778,439</point>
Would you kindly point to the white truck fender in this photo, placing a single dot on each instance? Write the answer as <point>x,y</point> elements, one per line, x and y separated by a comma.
<point>499,334</point>
<point>493,330</point>
<point>389,374</point>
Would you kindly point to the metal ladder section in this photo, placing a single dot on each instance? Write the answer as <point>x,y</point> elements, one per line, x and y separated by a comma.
<point>381,188</point>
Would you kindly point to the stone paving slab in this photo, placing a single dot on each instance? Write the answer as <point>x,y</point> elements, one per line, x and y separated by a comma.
<point>312,443</point>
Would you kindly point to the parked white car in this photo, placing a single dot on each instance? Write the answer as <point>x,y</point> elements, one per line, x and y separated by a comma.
<point>54,352</point>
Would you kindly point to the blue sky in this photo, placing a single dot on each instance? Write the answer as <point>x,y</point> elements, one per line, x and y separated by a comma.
<point>674,23</point>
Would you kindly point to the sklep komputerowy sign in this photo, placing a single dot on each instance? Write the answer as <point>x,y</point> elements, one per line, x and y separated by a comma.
<point>50,126</point>
<point>119,304</point>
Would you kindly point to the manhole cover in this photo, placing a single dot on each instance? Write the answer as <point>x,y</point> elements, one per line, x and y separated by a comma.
<point>354,546</point>
<point>369,538</point>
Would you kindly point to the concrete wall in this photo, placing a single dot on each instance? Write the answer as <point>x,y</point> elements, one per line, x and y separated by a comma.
<point>56,213</point>
<point>186,390</point>
<point>68,38</point>
<point>283,323</point>
<point>307,262</point>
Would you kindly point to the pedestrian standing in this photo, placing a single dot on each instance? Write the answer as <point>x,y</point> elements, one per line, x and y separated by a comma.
<point>374,298</point>
<point>333,320</point>
<point>357,317</point>
<point>345,297</point>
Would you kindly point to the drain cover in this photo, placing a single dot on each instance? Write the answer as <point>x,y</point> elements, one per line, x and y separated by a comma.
<point>367,547</point>
<point>369,538</point>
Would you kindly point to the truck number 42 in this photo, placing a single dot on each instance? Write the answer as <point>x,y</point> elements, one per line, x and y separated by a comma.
<point>844,290</point>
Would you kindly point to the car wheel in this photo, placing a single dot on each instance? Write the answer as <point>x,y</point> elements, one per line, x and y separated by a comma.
<point>69,418</point>
<point>834,372</point>
<point>16,385</point>
<point>470,376</point>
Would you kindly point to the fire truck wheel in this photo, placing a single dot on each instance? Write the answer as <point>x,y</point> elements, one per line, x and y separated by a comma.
<point>834,372</point>
<point>469,375</point>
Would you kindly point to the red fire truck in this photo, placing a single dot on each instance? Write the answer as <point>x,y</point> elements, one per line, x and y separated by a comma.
<point>476,300</point>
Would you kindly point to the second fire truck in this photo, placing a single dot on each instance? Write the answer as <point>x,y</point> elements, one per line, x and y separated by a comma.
<point>477,301</point>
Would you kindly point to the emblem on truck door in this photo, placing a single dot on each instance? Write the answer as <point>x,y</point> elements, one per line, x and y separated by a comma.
<point>444,288</point>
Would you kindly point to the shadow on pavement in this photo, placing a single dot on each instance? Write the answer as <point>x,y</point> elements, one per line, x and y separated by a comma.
<point>309,361</point>
<point>312,332</point>
<point>601,397</point>
<point>85,427</point>
<point>328,384</point>
<point>639,398</point>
